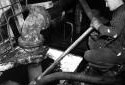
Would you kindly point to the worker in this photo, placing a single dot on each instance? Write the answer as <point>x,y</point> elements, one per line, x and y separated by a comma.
<point>107,45</point>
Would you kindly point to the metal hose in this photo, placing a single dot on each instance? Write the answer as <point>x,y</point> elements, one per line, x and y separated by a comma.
<point>76,77</point>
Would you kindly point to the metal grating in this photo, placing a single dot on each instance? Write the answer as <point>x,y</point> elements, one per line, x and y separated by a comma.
<point>11,19</point>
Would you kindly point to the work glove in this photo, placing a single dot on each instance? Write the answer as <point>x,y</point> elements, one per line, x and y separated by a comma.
<point>94,35</point>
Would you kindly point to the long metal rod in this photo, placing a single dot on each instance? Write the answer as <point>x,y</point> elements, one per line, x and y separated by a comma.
<point>66,52</point>
<point>51,67</point>
<point>90,15</point>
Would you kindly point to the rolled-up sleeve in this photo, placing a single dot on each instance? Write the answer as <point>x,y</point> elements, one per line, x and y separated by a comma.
<point>116,25</point>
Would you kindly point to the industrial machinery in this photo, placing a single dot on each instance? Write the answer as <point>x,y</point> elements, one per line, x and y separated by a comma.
<point>29,40</point>
<point>31,31</point>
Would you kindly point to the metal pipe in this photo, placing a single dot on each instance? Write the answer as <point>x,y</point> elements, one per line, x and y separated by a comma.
<point>66,52</point>
<point>76,77</point>
<point>51,67</point>
<point>90,15</point>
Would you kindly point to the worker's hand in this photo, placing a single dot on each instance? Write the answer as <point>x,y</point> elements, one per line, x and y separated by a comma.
<point>95,23</point>
<point>94,36</point>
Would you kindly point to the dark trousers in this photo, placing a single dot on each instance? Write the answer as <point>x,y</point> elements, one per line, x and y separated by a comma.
<point>103,57</point>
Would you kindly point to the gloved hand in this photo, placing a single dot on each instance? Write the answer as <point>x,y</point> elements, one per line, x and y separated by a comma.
<point>95,23</point>
<point>94,35</point>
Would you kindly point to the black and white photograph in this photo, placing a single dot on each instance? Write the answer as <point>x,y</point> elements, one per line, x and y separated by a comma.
<point>62,42</point>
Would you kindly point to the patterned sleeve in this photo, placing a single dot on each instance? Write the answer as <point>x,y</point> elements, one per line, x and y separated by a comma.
<point>116,25</point>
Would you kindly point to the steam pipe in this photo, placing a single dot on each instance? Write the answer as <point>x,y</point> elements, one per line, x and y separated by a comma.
<point>76,77</point>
